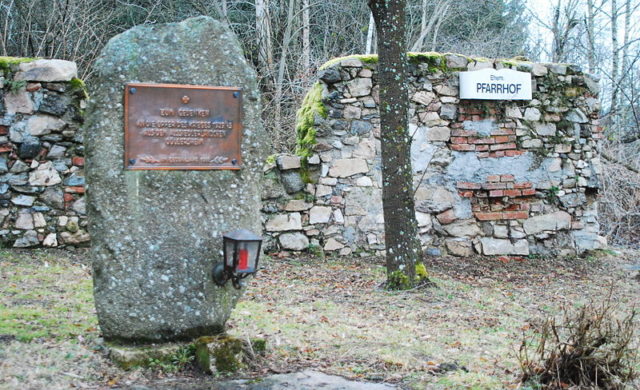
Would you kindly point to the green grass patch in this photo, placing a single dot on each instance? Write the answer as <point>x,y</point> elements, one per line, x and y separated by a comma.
<point>44,297</point>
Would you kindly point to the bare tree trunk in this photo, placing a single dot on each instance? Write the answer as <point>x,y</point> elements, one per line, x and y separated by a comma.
<point>615,65</point>
<point>625,40</point>
<point>286,40</point>
<point>431,25</point>
<point>370,35</point>
<point>556,49</point>
<point>401,232</point>
<point>263,32</point>
<point>591,47</point>
<point>306,33</point>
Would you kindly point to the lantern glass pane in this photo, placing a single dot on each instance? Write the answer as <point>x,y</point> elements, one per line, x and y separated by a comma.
<point>247,256</point>
<point>229,249</point>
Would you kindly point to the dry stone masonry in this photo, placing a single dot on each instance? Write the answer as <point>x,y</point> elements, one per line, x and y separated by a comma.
<point>491,177</point>
<point>41,154</point>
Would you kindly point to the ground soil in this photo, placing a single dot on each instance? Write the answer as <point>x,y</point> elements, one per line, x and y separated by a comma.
<point>331,315</point>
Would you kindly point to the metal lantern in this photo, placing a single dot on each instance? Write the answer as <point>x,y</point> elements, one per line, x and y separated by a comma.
<point>241,253</point>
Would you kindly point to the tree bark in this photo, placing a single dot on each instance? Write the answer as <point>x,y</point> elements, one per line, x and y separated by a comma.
<point>263,34</point>
<point>591,51</point>
<point>370,35</point>
<point>614,63</point>
<point>306,34</point>
<point>401,228</point>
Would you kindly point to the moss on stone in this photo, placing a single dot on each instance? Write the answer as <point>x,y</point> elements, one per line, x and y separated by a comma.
<point>370,59</point>
<point>7,63</point>
<point>79,87</point>
<point>312,105</point>
<point>226,355</point>
<point>435,61</point>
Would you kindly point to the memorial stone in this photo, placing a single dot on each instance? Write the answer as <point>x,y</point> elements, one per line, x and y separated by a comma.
<point>156,233</point>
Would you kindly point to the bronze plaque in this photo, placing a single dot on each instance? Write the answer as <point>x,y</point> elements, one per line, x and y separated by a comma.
<point>170,126</point>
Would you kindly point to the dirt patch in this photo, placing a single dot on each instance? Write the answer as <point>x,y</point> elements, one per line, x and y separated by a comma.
<point>327,315</point>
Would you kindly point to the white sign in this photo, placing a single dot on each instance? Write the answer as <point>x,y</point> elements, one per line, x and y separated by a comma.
<point>491,84</point>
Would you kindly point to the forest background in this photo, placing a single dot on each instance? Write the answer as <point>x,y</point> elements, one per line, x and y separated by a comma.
<point>288,40</point>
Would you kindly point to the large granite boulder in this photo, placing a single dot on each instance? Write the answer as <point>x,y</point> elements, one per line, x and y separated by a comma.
<point>157,233</point>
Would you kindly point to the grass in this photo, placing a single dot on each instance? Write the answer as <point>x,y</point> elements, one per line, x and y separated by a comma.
<point>328,315</point>
<point>44,297</point>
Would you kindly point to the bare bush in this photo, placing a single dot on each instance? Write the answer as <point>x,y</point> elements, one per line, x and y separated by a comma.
<point>619,204</point>
<point>588,349</point>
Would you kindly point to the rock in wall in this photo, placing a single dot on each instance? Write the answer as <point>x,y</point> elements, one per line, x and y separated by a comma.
<point>491,177</point>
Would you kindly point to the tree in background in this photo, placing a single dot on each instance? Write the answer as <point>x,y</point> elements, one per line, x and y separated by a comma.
<point>403,251</point>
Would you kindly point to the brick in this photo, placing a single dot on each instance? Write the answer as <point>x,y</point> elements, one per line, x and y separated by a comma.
<point>463,147</point>
<point>33,87</point>
<point>446,217</point>
<point>484,155</point>
<point>494,186</point>
<point>499,153</point>
<point>510,145</point>
<point>524,206</point>
<point>68,198</point>
<point>512,193</point>
<point>75,190</point>
<point>466,194</point>
<point>493,178</point>
<point>529,192</point>
<point>462,133</point>
<point>336,199</point>
<point>506,178</point>
<point>5,148</point>
<point>577,225</point>
<point>4,130</point>
<point>466,185</point>
<point>500,139</point>
<point>458,140</point>
<point>482,148</point>
<point>496,193</point>
<point>482,140</point>
<point>512,207</point>
<point>523,185</point>
<point>78,161</point>
<point>503,132</point>
<point>476,118</point>
<point>488,216</point>
<point>514,153</point>
<point>515,215</point>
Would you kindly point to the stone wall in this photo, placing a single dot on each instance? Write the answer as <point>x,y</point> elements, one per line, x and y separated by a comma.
<point>41,154</point>
<point>491,177</point>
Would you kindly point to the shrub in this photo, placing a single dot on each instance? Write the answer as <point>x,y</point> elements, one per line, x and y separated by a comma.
<point>589,348</point>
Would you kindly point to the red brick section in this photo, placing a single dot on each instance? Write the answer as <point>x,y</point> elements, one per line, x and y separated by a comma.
<point>499,198</point>
<point>500,143</point>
